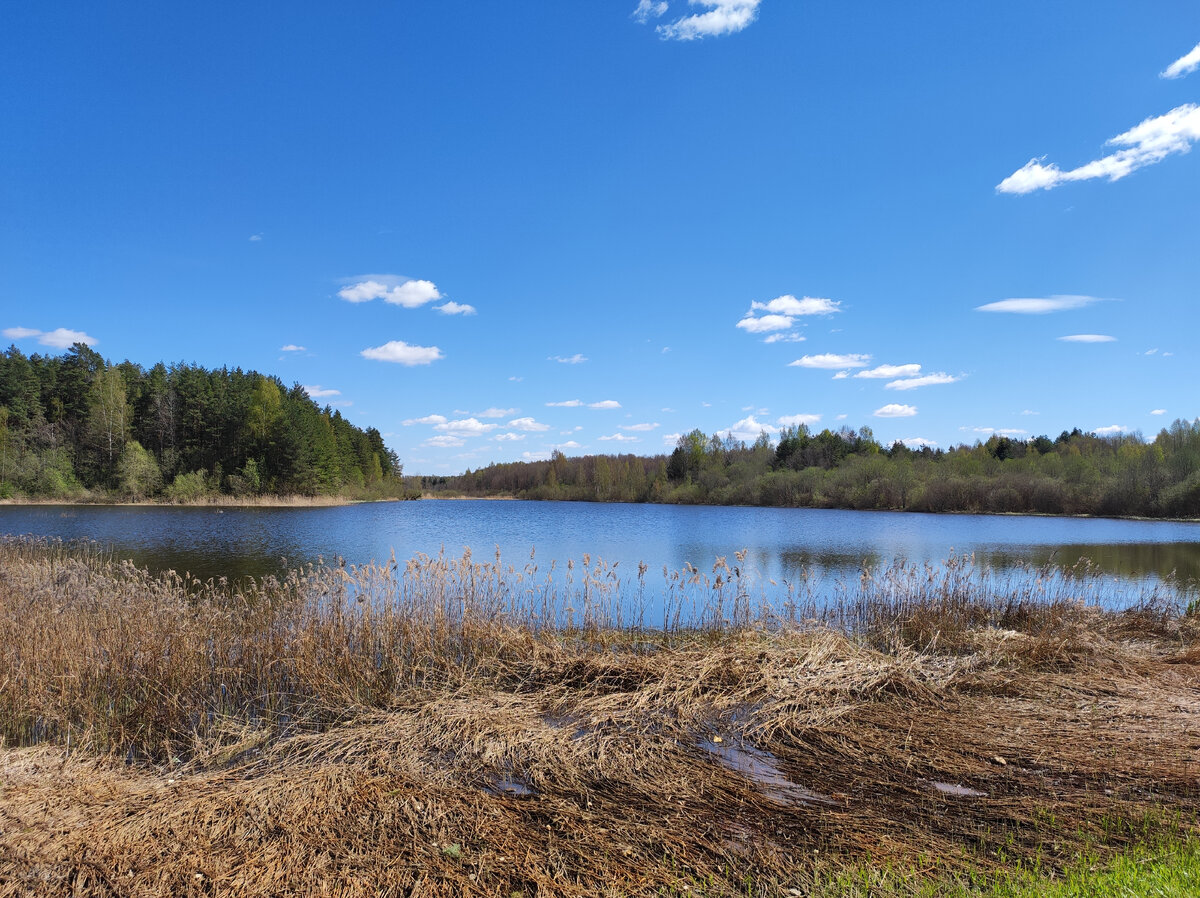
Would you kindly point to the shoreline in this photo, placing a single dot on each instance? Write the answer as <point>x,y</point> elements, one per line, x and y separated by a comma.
<point>213,502</point>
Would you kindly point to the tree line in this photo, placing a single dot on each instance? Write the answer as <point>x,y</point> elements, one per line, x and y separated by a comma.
<point>1075,473</point>
<point>76,425</point>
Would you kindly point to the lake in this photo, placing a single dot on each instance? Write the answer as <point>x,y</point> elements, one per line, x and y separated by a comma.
<point>823,547</point>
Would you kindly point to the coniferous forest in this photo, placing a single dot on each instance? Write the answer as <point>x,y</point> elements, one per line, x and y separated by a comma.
<point>76,427</point>
<point>1075,473</point>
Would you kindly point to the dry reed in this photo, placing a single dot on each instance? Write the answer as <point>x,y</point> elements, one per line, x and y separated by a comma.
<point>454,726</point>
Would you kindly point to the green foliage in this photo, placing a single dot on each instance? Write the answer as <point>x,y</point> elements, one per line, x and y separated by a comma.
<point>70,423</point>
<point>1078,473</point>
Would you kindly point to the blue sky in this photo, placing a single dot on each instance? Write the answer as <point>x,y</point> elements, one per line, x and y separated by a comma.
<point>490,229</point>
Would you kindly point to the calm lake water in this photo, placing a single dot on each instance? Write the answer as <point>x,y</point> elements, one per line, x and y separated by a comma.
<point>831,546</point>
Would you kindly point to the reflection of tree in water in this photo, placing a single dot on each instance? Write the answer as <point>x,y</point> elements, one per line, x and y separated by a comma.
<point>1133,560</point>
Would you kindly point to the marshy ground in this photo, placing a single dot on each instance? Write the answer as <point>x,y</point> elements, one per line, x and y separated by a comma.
<point>442,737</point>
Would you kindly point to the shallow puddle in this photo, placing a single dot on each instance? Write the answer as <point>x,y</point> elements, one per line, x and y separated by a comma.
<point>510,787</point>
<point>762,768</point>
<point>958,791</point>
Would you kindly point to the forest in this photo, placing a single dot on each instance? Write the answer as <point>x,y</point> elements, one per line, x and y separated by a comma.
<point>78,427</point>
<point>1075,473</point>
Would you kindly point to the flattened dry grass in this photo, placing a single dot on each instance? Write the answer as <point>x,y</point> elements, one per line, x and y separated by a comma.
<point>453,727</point>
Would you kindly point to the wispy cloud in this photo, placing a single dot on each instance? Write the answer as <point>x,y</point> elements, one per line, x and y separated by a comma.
<point>619,438</point>
<point>885,371</point>
<point>918,443</point>
<point>1184,65</point>
<point>605,403</point>
<point>528,424</point>
<point>748,429</point>
<point>1088,338</point>
<point>640,427</point>
<point>318,392</point>
<point>401,353</point>
<point>723,17</point>
<point>1002,431</point>
<point>649,9</point>
<point>780,314</point>
<point>569,444</point>
<point>59,338</point>
<point>292,347</point>
<point>797,420</point>
<point>455,308</point>
<point>924,380</point>
<point>1158,411</point>
<point>407,292</point>
<point>497,412</point>
<point>567,403</point>
<point>1042,306</point>
<point>831,361</point>
<point>1111,430</point>
<point>443,442</point>
<point>789,337</point>
<point>428,419</point>
<point>670,439</point>
<point>256,238</point>
<point>1145,144</point>
<point>892,410</point>
<point>509,437</point>
<point>577,359</point>
<point>465,427</point>
<point>765,323</point>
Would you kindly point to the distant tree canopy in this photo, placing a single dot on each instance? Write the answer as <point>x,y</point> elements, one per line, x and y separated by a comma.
<point>1075,473</point>
<point>74,423</point>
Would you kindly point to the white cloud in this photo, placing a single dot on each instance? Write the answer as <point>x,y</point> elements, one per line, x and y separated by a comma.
<point>841,375</point>
<point>1111,429</point>
<point>885,371</point>
<point>569,403</point>
<point>670,439</point>
<point>723,17</point>
<point>497,412</point>
<point>1158,411</point>
<point>925,380</point>
<point>402,354</point>
<point>406,292</point>
<point>292,347</point>
<point>1088,338</point>
<point>465,427</point>
<point>790,337</point>
<point>789,305</point>
<point>1145,144</point>
<point>619,438</point>
<point>1038,306</point>
<point>918,443</point>
<point>642,428</point>
<point>1029,412</point>
<point>20,333</point>
<point>605,403</point>
<point>1003,431</point>
<point>649,9</point>
<point>892,410</point>
<point>516,379</point>
<point>1151,351</point>
<point>428,419</point>
<point>528,424</point>
<point>535,456</point>
<point>1184,65</point>
<point>62,338</point>
<point>748,429</point>
<point>569,444</point>
<point>509,437</point>
<point>443,442</point>
<point>830,361</point>
<point>765,324</point>
<point>577,359</point>
<point>256,238</point>
<point>797,420</point>
<point>317,392</point>
<point>455,308</point>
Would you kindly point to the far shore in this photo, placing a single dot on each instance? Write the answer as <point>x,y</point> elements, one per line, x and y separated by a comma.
<point>207,502</point>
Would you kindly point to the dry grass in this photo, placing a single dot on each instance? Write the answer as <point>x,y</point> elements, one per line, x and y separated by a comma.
<point>455,727</point>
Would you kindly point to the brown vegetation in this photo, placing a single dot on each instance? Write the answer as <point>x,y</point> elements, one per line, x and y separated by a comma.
<point>455,727</point>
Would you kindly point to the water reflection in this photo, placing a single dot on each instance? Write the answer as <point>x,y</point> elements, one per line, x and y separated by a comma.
<point>822,551</point>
